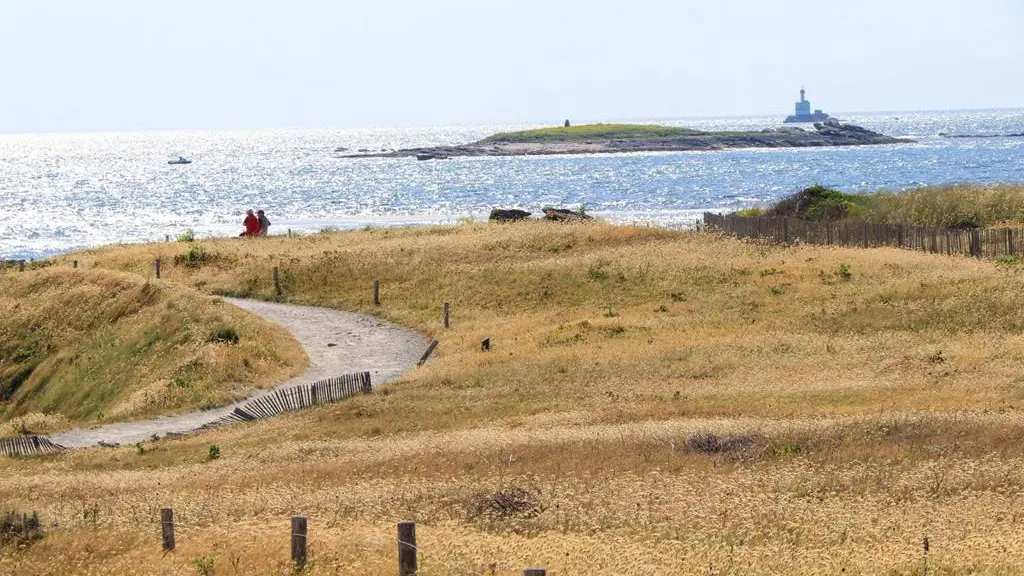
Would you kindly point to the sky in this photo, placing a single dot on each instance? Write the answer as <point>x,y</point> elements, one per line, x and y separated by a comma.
<point>111,65</point>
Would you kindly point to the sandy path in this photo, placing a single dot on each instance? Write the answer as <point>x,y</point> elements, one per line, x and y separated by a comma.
<point>337,343</point>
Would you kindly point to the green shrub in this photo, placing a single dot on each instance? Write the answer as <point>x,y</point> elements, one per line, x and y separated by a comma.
<point>187,236</point>
<point>214,452</point>
<point>225,335</point>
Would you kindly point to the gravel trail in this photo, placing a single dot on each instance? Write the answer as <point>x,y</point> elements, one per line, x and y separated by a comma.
<point>337,343</point>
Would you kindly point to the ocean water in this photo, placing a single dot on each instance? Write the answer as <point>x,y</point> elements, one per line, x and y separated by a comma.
<point>60,192</point>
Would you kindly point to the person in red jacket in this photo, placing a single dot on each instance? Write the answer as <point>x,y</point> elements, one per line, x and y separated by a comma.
<point>252,225</point>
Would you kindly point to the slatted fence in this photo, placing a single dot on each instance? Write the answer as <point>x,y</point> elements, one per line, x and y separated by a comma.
<point>28,446</point>
<point>282,400</point>
<point>979,243</point>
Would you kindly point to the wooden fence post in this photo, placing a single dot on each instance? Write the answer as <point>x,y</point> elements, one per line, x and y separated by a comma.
<point>446,324</point>
<point>277,282</point>
<point>899,235</point>
<point>157,268</point>
<point>289,232</point>
<point>406,548</point>
<point>167,528</point>
<point>21,265</point>
<point>376,292</point>
<point>430,348</point>
<point>785,230</point>
<point>535,572</point>
<point>167,237</point>
<point>74,263</point>
<point>976,243</point>
<point>299,527</point>
<point>1009,241</point>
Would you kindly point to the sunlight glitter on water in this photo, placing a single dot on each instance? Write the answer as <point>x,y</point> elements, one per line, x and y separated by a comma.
<point>66,191</point>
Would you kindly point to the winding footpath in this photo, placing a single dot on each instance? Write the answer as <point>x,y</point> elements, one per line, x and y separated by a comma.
<point>337,343</point>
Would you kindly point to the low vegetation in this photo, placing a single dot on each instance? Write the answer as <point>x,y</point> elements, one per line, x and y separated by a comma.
<point>956,206</point>
<point>80,345</point>
<point>653,401</point>
<point>593,132</point>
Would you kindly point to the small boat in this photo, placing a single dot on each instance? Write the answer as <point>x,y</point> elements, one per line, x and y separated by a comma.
<point>180,160</point>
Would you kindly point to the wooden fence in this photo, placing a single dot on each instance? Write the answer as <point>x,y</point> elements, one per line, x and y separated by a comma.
<point>282,400</point>
<point>979,243</point>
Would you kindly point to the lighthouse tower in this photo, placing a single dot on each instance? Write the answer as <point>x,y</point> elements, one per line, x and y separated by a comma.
<point>803,107</point>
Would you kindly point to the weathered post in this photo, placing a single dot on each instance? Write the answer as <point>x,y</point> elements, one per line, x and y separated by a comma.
<point>167,528</point>
<point>976,243</point>
<point>74,263</point>
<point>376,292</point>
<point>1009,242</point>
<point>21,265</point>
<point>167,237</point>
<point>406,548</point>
<point>430,348</point>
<point>535,572</point>
<point>299,527</point>
<point>785,230</point>
<point>899,235</point>
<point>277,282</point>
<point>289,232</point>
<point>157,268</point>
<point>446,324</point>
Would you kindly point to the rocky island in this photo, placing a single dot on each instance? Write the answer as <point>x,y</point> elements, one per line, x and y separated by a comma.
<point>615,138</point>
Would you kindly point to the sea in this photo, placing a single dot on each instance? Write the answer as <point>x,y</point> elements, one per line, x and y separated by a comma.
<point>62,192</point>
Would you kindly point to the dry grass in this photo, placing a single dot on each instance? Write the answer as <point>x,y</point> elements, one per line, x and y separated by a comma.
<point>84,346</point>
<point>851,415</point>
<point>949,206</point>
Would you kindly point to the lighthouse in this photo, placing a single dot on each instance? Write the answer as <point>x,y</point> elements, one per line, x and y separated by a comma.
<point>803,111</point>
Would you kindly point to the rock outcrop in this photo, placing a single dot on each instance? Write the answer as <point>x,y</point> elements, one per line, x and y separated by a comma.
<point>830,133</point>
<point>508,215</point>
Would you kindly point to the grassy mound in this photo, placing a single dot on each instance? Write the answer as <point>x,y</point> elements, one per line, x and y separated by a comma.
<point>591,132</point>
<point>958,206</point>
<point>86,345</point>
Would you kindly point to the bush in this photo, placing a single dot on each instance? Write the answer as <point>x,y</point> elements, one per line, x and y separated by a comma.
<point>214,452</point>
<point>20,529</point>
<point>187,236</point>
<point>819,203</point>
<point>225,335</point>
<point>750,212</point>
<point>194,258</point>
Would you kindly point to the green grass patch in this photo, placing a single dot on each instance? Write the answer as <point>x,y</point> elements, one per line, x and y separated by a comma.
<point>593,132</point>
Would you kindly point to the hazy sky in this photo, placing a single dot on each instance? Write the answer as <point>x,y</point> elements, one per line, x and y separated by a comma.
<point>107,65</point>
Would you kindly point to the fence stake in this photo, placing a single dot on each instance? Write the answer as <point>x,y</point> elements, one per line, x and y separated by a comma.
<point>975,243</point>
<point>299,527</point>
<point>167,528</point>
<point>785,230</point>
<point>167,237</point>
<point>277,282</point>
<point>446,324</point>
<point>74,263</point>
<point>406,548</point>
<point>433,344</point>
<point>1009,241</point>
<point>535,572</point>
<point>157,268</point>
<point>376,292</point>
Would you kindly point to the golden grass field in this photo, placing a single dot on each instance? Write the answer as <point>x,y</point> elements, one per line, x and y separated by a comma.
<point>654,402</point>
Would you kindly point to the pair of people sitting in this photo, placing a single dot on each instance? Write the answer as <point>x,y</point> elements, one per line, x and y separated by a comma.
<point>255,224</point>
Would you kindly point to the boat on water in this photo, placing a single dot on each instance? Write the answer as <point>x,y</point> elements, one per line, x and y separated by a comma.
<point>180,160</point>
<point>803,112</point>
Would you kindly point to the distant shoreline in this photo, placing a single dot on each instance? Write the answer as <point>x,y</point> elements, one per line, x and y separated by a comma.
<point>620,138</point>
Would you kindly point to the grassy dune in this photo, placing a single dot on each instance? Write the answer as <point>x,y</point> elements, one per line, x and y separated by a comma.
<point>659,402</point>
<point>592,132</point>
<point>94,345</point>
